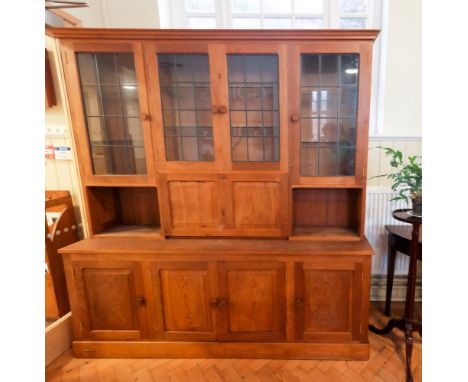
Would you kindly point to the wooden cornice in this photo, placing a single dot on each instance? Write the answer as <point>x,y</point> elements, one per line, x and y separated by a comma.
<point>213,34</point>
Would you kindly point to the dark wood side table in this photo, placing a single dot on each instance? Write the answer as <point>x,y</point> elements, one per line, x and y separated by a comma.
<point>407,323</point>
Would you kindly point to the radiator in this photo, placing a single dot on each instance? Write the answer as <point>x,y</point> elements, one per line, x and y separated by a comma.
<point>379,213</point>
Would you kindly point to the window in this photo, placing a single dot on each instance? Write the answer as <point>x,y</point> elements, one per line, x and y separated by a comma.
<point>268,14</point>
<point>289,14</point>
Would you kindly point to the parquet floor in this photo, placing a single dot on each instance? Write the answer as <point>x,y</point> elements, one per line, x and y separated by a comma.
<point>386,363</point>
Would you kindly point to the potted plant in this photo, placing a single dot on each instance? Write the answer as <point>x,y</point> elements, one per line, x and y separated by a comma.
<point>407,178</point>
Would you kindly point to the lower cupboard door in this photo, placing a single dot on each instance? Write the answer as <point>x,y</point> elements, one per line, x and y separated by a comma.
<point>252,301</point>
<point>328,301</point>
<point>181,302</point>
<point>110,300</point>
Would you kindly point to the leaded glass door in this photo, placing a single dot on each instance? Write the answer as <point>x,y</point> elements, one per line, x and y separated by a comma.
<point>110,111</point>
<point>256,92</point>
<point>182,95</point>
<point>324,120</point>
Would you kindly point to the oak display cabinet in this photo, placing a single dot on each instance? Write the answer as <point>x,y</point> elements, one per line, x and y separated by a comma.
<point>224,176</point>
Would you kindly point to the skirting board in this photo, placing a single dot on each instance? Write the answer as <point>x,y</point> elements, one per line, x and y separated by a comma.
<point>58,338</point>
<point>379,287</point>
<point>149,349</point>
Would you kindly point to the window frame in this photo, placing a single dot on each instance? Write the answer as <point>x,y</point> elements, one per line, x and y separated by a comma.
<point>377,14</point>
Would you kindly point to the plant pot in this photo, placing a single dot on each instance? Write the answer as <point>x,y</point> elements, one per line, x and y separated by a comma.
<point>416,206</point>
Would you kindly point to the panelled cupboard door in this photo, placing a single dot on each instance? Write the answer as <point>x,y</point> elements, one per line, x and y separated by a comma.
<point>111,300</point>
<point>106,89</point>
<point>257,204</point>
<point>182,87</point>
<point>327,301</point>
<point>252,301</point>
<point>192,204</point>
<point>181,305</point>
<point>329,92</point>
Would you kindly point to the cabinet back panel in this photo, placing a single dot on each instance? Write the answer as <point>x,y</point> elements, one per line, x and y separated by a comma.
<point>111,206</point>
<point>326,207</point>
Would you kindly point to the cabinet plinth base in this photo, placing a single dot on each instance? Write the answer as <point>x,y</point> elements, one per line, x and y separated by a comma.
<point>149,349</point>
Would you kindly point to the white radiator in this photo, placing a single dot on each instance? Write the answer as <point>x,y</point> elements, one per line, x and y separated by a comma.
<point>379,213</point>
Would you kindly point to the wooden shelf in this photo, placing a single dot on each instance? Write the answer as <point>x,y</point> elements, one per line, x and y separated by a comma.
<point>324,233</point>
<point>132,230</point>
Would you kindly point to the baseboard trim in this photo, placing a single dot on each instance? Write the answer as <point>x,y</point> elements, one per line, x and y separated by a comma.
<point>379,288</point>
<point>149,349</point>
<point>58,338</point>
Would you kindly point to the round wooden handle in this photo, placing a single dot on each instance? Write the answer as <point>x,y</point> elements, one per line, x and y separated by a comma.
<point>222,109</point>
<point>299,303</point>
<point>294,117</point>
<point>141,301</point>
<point>144,117</point>
<point>214,109</point>
<point>222,303</point>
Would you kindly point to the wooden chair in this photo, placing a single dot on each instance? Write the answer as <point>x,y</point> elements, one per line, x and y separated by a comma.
<point>399,239</point>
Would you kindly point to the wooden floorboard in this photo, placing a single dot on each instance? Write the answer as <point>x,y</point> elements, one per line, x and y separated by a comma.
<point>386,364</point>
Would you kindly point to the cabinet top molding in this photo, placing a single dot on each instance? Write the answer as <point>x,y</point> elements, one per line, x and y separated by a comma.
<point>213,34</point>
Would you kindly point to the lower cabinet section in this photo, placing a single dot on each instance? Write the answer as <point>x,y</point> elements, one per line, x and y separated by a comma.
<point>284,305</point>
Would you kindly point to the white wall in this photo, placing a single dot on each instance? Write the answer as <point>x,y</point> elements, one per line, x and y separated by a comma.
<point>118,14</point>
<point>402,95</point>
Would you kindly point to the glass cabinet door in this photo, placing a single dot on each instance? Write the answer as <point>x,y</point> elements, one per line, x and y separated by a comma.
<point>328,114</point>
<point>109,90</point>
<point>254,107</point>
<point>184,81</point>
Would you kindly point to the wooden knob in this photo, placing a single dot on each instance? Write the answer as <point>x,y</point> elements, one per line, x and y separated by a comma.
<point>299,303</point>
<point>141,301</point>
<point>294,117</point>
<point>144,117</point>
<point>222,303</point>
<point>214,109</point>
<point>222,109</point>
<point>214,302</point>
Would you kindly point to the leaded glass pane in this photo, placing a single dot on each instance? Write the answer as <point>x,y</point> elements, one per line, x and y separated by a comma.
<point>329,101</point>
<point>254,107</point>
<point>186,102</point>
<point>109,90</point>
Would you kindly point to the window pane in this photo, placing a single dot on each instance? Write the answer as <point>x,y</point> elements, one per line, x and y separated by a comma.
<point>112,112</point>
<point>200,5</point>
<point>201,22</point>
<point>276,23</point>
<point>328,114</point>
<point>245,22</point>
<point>308,6</point>
<point>246,6</point>
<point>253,100</point>
<point>353,6</point>
<point>186,104</point>
<point>275,6</point>
<point>354,23</point>
<point>312,23</point>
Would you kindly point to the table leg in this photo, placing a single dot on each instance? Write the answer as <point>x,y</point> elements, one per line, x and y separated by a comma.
<point>409,306</point>
<point>390,273</point>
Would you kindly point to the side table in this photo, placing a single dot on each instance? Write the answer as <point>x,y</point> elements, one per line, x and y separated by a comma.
<point>407,323</point>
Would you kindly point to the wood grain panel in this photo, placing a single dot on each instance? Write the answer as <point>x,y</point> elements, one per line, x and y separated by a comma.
<point>180,300</point>
<point>109,294</point>
<point>255,295</point>
<point>256,204</point>
<point>185,295</point>
<point>194,204</point>
<point>111,300</point>
<point>327,303</point>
